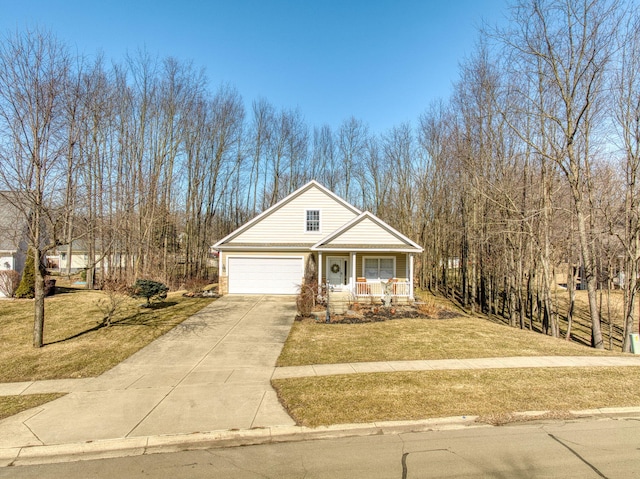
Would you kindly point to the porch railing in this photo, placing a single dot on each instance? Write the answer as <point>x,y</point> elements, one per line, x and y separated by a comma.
<point>375,288</point>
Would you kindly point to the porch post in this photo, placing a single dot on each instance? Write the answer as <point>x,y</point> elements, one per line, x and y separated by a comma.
<point>319,272</point>
<point>410,275</point>
<point>353,272</point>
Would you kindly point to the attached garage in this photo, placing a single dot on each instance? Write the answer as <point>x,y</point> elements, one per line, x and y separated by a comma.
<point>264,275</point>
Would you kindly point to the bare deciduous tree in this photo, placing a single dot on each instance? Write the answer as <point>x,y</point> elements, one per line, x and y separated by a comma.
<point>34,71</point>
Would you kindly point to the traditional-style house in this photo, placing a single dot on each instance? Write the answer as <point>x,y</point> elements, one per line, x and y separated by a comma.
<point>354,251</point>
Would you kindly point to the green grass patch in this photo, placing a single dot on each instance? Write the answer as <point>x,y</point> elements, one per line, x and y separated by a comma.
<point>358,398</point>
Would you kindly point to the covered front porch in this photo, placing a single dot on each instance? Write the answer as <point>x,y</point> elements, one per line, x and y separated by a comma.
<point>367,258</point>
<point>367,275</point>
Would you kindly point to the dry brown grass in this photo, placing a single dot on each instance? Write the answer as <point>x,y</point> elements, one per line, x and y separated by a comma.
<point>493,394</point>
<point>463,337</point>
<point>75,344</point>
<point>611,315</point>
<point>10,405</point>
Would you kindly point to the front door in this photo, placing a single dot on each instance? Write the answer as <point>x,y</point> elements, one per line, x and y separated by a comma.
<point>337,271</point>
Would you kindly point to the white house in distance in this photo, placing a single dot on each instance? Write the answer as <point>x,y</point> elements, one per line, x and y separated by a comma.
<point>13,239</point>
<point>354,250</point>
<point>59,260</point>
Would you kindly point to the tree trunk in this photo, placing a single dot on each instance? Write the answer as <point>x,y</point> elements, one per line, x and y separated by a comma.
<point>590,276</point>
<point>38,314</point>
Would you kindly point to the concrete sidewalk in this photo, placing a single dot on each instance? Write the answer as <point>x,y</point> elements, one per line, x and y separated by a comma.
<point>442,364</point>
<point>210,373</point>
<point>83,385</point>
<point>523,362</point>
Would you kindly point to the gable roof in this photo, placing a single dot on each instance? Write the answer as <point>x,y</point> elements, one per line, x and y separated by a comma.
<point>282,203</point>
<point>379,235</point>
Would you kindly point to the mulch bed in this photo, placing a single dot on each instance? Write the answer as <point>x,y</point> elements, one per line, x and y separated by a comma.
<point>379,314</point>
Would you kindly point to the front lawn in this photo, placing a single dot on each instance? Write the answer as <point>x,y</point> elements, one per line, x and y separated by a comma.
<point>493,394</point>
<point>75,344</point>
<point>462,337</point>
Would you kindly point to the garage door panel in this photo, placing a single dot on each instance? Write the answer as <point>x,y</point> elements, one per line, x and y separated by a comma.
<point>264,275</point>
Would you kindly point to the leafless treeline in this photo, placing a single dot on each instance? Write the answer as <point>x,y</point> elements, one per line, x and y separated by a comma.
<point>528,170</point>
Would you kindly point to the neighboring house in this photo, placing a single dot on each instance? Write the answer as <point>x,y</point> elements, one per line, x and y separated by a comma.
<point>354,251</point>
<point>13,236</point>
<point>58,260</point>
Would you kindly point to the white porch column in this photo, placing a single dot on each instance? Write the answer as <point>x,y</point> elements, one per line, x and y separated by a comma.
<point>410,275</point>
<point>319,271</point>
<point>352,280</point>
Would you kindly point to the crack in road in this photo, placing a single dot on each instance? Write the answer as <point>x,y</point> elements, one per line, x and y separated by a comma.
<point>233,462</point>
<point>575,453</point>
<point>404,465</point>
<point>405,469</point>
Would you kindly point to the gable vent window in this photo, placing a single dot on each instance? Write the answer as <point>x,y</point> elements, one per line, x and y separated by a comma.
<point>313,220</point>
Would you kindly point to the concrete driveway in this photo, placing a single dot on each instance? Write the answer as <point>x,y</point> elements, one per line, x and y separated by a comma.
<point>211,372</point>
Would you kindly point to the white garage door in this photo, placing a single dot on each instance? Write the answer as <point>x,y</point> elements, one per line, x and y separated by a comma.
<point>251,275</point>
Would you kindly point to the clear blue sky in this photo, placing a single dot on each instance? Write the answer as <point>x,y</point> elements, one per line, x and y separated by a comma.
<point>381,61</point>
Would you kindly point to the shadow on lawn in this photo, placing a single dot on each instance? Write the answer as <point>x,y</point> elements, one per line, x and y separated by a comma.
<point>66,290</point>
<point>580,329</point>
<point>141,318</point>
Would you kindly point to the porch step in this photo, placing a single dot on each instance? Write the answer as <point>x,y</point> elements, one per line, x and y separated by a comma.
<point>338,307</point>
<point>339,301</point>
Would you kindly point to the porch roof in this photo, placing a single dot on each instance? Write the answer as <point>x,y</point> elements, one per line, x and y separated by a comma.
<point>386,248</point>
<point>344,248</point>
<point>367,232</point>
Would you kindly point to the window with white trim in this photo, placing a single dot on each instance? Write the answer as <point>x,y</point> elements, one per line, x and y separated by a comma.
<point>312,221</point>
<point>379,268</point>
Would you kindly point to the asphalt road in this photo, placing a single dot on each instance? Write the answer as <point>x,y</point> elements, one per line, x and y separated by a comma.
<point>604,448</point>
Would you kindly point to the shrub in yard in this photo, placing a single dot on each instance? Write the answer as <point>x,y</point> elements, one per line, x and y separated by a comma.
<point>27,287</point>
<point>306,299</point>
<point>428,307</point>
<point>49,286</point>
<point>148,289</point>
<point>9,281</point>
<point>196,285</point>
<point>111,304</point>
<point>311,271</point>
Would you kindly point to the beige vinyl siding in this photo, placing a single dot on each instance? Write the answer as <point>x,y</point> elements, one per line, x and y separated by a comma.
<point>287,224</point>
<point>401,263</point>
<point>369,232</point>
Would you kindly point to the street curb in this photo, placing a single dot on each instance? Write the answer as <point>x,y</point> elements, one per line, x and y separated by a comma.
<point>144,445</point>
<point>137,446</point>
